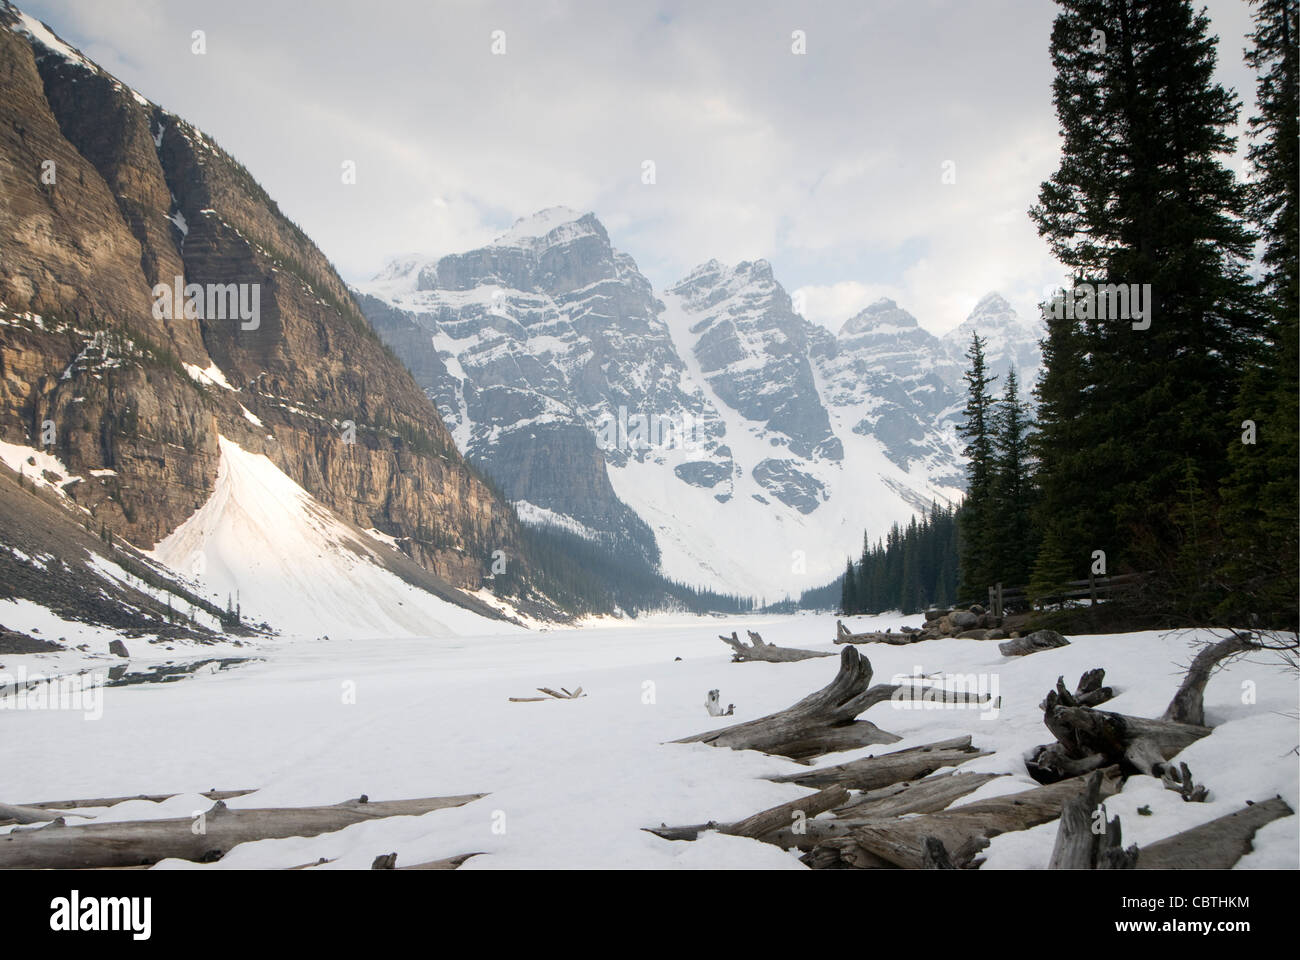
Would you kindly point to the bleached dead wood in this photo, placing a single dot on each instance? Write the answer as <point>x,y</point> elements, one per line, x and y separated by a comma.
<point>388,861</point>
<point>1088,693</point>
<point>132,842</point>
<point>758,649</point>
<point>1079,846</point>
<point>963,831</point>
<point>805,808</point>
<point>842,635</point>
<point>898,800</point>
<point>44,811</point>
<point>1087,739</point>
<point>870,773</point>
<point>934,855</point>
<point>822,722</point>
<point>561,694</point>
<point>1188,704</point>
<point>11,813</point>
<point>1179,780</point>
<point>1216,845</point>
<point>1142,745</point>
<point>765,822</point>
<point>920,796</point>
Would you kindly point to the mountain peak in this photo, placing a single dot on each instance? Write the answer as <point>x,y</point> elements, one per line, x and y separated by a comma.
<point>884,314</point>
<point>990,304</point>
<point>543,223</point>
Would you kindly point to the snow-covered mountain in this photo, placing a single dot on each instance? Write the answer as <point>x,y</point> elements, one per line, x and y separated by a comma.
<point>768,443</point>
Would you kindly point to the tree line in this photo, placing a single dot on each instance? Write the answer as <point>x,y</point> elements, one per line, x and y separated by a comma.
<point>1163,440</point>
<point>1164,443</point>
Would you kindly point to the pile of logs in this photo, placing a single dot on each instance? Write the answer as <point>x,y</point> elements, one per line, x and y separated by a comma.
<point>825,721</point>
<point>973,623</point>
<point>894,810</point>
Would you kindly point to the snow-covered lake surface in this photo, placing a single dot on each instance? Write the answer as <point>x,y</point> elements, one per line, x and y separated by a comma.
<point>571,783</point>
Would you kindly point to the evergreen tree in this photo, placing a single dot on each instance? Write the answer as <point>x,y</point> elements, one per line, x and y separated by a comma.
<point>848,591</point>
<point>1012,534</point>
<point>1065,474</point>
<point>976,518</point>
<point>1257,569</point>
<point>1142,196</point>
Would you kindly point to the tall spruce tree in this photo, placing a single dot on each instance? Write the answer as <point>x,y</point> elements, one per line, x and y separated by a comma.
<point>1012,534</point>
<point>1260,518</point>
<point>848,591</point>
<point>1142,196</point>
<point>976,516</point>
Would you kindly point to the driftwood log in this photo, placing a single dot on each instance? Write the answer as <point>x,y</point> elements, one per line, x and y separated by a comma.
<point>780,827</point>
<point>45,810</point>
<point>759,825</point>
<point>1080,847</point>
<point>134,842</point>
<point>1088,693</point>
<point>561,694</point>
<point>388,861</point>
<point>825,721</point>
<point>758,649</point>
<point>1188,704</point>
<point>963,831</point>
<point>842,635</point>
<point>870,773</point>
<point>1216,845</point>
<point>1087,739</point>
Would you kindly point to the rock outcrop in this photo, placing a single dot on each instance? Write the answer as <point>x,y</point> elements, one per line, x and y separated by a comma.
<point>105,196</point>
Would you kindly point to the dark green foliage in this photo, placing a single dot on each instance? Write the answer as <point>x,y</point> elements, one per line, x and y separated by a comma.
<point>1011,492</point>
<point>912,568</point>
<point>978,559</point>
<point>1143,196</point>
<point>1260,518</point>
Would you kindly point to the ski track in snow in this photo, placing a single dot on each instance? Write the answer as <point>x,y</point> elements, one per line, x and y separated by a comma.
<point>577,780</point>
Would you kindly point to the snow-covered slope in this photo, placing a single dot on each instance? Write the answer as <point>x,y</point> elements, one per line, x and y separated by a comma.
<point>290,562</point>
<point>797,439</point>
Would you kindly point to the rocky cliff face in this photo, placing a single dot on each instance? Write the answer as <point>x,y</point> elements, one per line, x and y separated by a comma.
<point>530,344</point>
<point>796,439</point>
<point>106,195</point>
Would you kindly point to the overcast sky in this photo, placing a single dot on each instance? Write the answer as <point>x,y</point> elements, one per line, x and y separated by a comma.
<point>829,164</point>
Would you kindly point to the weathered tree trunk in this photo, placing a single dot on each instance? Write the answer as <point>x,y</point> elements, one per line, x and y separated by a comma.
<point>921,796</point>
<point>842,635</point>
<point>870,773</point>
<point>777,818</point>
<point>1216,845</point>
<point>1078,846</point>
<point>1089,739</point>
<point>822,722</point>
<point>114,801</point>
<point>388,861</point>
<point>768,652</point>
<point>765,822</point>
<point>1088,693</point>
<point>963,831</point>
<point>1188,704</point>
<point>133,842</point>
